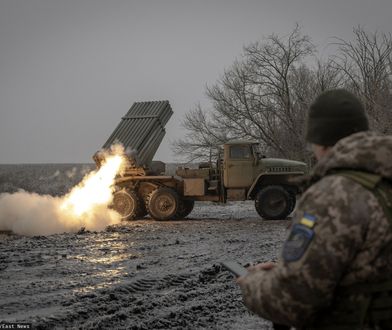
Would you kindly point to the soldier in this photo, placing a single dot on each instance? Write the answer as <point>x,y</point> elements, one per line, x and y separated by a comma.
<point>336,266</point>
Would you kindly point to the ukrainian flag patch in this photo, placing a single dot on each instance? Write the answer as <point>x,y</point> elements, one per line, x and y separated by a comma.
<point>308,220</point>
<point>297,242</point>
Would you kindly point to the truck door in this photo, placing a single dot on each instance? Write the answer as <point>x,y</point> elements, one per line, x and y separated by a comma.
<point>238,166</point>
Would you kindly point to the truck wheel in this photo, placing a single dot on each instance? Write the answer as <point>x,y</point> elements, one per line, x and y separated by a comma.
<point>128,204</point>
<point>163,203</point>
<point>293,201</point>
<point>185,208</point>
<point>273,203</point>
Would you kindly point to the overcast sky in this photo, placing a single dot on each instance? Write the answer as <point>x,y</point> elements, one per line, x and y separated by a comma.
<point>69,69</point>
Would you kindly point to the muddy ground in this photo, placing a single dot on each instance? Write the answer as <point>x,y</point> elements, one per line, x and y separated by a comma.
<point>137,275</point>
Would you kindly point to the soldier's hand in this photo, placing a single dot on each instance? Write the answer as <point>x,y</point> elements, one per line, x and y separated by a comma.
<point>254,268</point>
<point>262,266</point>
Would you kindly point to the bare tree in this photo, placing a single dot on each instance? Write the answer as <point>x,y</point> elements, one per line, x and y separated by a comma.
<point>257,98</point>
<point>366,64</point>
<point>265,94</point>
<point>202,138</point>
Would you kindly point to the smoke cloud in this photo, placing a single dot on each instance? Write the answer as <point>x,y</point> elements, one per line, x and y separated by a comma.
<point>85,206</point>
<point>32,214</point>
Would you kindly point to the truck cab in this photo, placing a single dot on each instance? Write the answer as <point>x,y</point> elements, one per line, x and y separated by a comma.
<point>249,175</point>
<point>239,164</point>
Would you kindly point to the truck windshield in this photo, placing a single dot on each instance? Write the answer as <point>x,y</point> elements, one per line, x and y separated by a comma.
<point>240,152</point>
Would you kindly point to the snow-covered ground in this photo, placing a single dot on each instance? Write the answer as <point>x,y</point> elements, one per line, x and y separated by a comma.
<point>142,274</point>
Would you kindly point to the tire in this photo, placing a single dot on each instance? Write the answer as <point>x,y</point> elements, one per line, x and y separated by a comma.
<point>128,204</point>
<point>293,201</point>
<point>274,203</point>
<point>185,208</point>
<point>143,210</point>
<point>163,204</point>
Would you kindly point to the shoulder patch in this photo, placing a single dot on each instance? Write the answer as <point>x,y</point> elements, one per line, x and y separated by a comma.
<point>297,242</point>
<point>308,220</point>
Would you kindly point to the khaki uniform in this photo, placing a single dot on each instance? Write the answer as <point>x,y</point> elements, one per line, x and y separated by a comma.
<point>340,237</point>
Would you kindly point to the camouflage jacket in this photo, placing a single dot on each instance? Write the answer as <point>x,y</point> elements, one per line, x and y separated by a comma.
<point>349,241</point>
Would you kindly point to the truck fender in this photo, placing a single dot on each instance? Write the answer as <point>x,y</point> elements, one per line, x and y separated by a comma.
<point>270,178</point>
<point>253,186</point>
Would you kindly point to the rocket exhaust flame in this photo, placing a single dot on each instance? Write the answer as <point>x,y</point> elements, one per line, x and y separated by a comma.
<point>94,190</point>
<point>86,205</point>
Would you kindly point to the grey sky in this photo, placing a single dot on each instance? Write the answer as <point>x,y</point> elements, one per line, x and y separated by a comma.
<point>69,69</point>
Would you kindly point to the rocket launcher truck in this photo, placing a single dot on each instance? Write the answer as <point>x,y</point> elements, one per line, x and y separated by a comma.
<point>240,173</point>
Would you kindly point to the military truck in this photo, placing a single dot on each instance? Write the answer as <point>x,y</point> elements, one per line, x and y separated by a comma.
<point>240,173</point>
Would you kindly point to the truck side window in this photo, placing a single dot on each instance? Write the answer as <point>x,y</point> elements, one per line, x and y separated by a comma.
<point>240,152</point>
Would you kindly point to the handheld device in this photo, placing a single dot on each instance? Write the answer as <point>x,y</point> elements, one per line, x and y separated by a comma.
<point>234,267</point>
